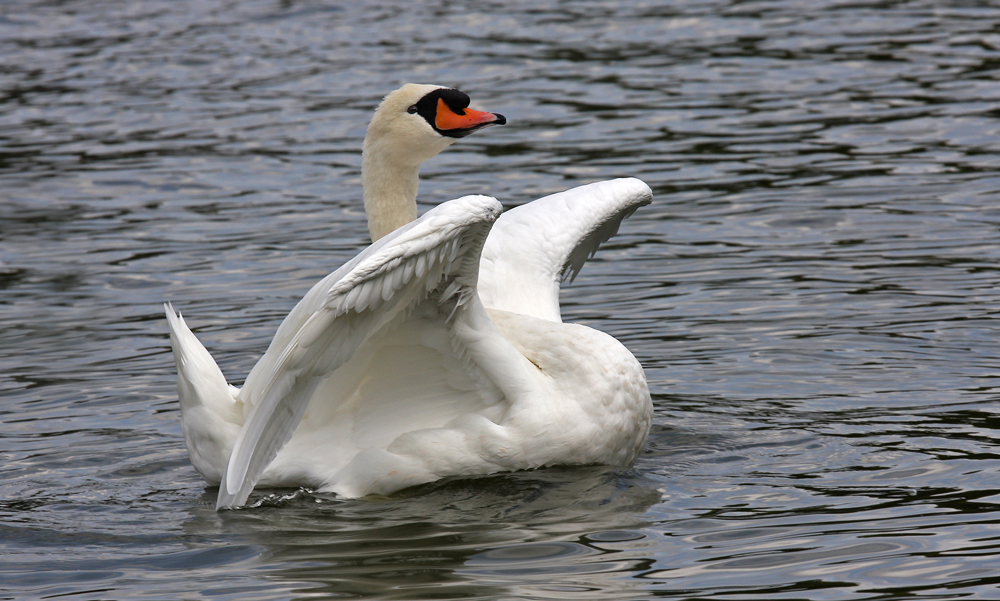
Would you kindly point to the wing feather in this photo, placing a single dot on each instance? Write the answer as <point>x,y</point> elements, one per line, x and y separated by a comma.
<point>361,300</point>
<point>539,244</point>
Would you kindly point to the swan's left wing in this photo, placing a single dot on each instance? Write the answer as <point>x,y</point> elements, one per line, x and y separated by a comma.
<point>439,252</point>
<point>538,245</point>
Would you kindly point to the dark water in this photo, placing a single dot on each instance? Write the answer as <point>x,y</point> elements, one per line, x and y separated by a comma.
<point>814,293</point>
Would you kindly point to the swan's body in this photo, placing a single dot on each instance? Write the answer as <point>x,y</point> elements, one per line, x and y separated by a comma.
<point>438,351</point>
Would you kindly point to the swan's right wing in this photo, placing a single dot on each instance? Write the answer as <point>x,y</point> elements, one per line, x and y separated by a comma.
<point>538,245</point>
<point>439,252</point>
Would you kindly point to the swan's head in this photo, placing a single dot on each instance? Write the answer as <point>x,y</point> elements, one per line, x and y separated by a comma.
<point>416,122</point>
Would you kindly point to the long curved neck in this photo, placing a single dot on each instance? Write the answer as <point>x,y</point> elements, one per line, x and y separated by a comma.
<point>390,191</point>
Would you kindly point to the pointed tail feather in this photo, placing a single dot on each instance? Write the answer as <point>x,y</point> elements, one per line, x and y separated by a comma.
<point>210,415</point>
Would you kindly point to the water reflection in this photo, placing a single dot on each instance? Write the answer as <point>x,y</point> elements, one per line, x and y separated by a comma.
<point>463,538</point>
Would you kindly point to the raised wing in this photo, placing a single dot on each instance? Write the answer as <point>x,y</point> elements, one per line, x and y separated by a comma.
<point>436,256</point>
<point>538,245</point>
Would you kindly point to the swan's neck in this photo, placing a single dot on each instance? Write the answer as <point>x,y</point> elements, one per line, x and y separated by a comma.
<point>390,191</point>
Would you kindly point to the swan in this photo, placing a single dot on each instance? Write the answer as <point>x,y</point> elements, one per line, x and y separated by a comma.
<point>437,351</point>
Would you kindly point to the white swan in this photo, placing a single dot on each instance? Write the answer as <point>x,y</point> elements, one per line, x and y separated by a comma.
<point>438,351</point>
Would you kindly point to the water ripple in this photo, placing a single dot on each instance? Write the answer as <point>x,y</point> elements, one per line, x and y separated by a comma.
<point>813,292</point>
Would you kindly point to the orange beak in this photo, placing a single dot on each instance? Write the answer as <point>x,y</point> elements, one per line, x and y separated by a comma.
<point>447,120</point>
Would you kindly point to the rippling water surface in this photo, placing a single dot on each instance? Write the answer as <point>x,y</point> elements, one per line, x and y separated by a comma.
<point>813,293</point>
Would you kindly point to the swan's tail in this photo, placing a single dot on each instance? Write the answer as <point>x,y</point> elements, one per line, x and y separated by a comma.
<point>211,416</point>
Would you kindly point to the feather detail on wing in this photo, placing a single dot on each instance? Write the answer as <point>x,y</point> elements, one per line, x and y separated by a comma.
<point>539,244</point>
<point>437,255</point>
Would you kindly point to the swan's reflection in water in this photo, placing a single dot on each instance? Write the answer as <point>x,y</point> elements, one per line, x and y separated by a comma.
<point>574,529</point>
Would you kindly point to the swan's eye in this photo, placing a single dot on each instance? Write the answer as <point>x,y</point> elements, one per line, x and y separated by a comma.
<point>412,110</point>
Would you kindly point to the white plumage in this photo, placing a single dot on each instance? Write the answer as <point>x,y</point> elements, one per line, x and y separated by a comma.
<point>438,351</point>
